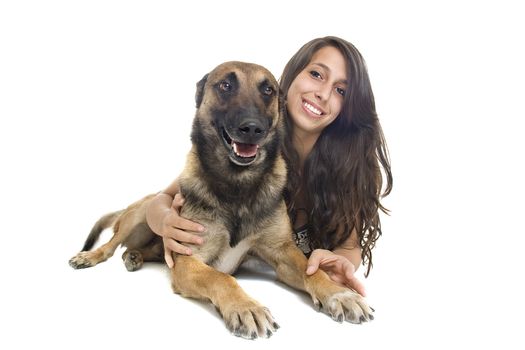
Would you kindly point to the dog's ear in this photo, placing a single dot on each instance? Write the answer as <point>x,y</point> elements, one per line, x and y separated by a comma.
<point>200,90</point>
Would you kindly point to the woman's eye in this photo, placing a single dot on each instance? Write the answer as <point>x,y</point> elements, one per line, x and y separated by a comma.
<point>225,86</point>
<point>340,91</point>
<point>315,74</point>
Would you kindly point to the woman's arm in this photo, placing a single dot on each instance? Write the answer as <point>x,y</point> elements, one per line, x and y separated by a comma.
<point>350,249</point>
<point>163,218</point>
<point>340,264</point>
<point>160,206</point>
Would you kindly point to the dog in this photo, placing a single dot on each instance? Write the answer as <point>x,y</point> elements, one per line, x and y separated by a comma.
<point>232,183</point>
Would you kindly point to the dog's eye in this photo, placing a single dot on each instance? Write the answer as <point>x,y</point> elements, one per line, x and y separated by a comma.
<point>225,86</point>
<point>268,90</point>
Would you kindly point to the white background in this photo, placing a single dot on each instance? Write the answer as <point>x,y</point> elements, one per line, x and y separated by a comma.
<point>96,103</point>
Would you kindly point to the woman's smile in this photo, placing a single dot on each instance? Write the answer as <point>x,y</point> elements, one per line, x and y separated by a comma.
<point>312,108</point>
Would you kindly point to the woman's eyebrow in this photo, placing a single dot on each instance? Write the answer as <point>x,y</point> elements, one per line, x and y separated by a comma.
<point>324,66</point>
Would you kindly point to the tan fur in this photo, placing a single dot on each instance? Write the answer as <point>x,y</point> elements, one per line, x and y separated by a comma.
<point>267,235</point>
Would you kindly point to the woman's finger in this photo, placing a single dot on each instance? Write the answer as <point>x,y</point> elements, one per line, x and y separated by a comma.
<point>188,225</point>
<point>183,236</point>
<point>314,261</point>
<point>168,256</point>
<point>176,247</point>
<point>178,201</point>
<point>176,221</point>
<point>356,285</point>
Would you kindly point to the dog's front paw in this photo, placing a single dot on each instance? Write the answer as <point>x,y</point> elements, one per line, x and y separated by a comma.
<point>346,306</point>
<point>82,260</point>
<point>249,320</point>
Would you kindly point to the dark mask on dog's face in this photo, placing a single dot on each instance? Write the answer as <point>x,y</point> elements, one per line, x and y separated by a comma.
<point>240,102</point>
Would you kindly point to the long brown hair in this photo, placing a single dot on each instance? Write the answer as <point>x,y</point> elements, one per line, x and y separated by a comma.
<point>342,177</point>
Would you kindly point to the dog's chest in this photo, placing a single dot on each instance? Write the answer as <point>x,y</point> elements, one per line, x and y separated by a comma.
<point>231,257</point>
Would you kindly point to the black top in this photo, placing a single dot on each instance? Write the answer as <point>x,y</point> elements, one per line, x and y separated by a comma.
<point>300,235</point>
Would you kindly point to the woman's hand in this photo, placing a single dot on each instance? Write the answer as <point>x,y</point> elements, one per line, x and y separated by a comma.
<point>339,268</point>
<point>176,230</point>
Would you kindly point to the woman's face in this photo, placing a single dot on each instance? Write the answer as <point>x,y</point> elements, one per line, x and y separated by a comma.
<point>316,95</point>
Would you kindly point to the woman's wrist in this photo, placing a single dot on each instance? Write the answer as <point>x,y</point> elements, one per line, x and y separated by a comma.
<point>157,209</point>
<point>352,255</point>
<point>162,194</point>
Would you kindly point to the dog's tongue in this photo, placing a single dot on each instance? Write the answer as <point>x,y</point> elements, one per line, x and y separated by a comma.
<point>245,150</point>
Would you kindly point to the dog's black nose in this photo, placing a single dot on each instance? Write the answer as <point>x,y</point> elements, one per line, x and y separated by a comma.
<point>252,130</point>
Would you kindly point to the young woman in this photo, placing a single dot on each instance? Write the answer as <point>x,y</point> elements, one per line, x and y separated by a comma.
<point>336,156</point>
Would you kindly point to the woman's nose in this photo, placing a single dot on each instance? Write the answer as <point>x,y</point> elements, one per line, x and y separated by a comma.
<point>323,92</point>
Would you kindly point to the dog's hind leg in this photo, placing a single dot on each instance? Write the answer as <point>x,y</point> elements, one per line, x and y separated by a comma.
<point>123,229</point>
<point>135,258</point>
<point>103,223</point>
<point>243,316</point>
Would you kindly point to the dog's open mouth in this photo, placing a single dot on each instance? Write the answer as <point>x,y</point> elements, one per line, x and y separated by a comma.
<point>240,153</point>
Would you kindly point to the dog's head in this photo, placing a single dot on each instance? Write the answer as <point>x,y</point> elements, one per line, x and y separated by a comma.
<point>238,113</point>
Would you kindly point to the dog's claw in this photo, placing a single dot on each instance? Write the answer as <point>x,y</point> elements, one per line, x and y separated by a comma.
<point>348,306</point>
<point>318,306</point>
<point>79,261</point>
<point>248,319</point>
<point>237,332</point>
<point>78,265</point>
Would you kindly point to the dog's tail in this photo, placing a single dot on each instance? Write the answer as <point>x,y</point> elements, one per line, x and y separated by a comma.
<point>103,223</point>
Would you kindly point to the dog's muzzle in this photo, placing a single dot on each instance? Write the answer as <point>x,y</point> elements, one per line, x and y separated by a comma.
<point>243,141</point>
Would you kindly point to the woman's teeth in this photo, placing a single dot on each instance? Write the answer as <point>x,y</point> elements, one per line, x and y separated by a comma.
<point>312,108</point>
